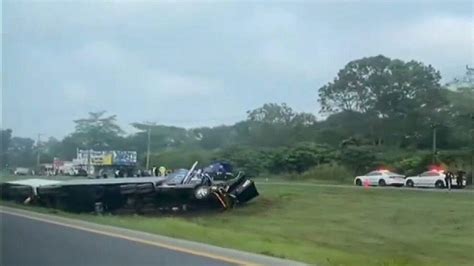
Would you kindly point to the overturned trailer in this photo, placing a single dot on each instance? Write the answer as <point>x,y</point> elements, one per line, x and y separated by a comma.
<point>213,187</point>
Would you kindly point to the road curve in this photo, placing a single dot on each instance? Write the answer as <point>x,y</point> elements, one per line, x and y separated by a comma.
<point>29,238</point>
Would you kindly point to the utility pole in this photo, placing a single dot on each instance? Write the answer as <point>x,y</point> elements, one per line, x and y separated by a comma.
<point>148,148</point>
<point>38,155</point>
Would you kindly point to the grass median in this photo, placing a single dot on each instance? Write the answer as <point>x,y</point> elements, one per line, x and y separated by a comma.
<point>330,225</point>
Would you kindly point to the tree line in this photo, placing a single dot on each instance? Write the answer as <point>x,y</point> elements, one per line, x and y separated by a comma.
<point>377,111</point>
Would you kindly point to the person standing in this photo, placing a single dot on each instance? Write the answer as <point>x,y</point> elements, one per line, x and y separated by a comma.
<point>162,170</point>
<point>448,179</point>
<point>459,178</point>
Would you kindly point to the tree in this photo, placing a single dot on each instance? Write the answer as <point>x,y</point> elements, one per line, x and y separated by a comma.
<point>272,113</point>
<point>277,124</point>
<point>397,98</point>
<point>301,157</point>
<point>162,137</point>
<point>6,135</point>
<point>459,116</point>
<point>21,152</point>
<point>282,114</point>
<point>215,137</point>
<point>382,87</point>
<point>358,158</point>
<point>97,131</point>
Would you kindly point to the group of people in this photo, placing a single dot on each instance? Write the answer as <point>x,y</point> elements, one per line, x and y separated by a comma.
<point>450,176</point>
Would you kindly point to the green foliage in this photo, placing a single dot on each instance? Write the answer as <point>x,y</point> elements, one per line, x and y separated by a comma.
<point>412,165</point>
<point>163,137</point>
<point>456,159</point>
<point>272,113</point>
<point>399,101</point>
<point>382,86</point>
<point>216,137</point>
<point>22,152</point>
<point>249,160</point>
<point>175,159</point>
<point>97,132</point>
<point>300,157</point>
<point>274,125</point>
<point>360,159</point>
<point>329,172</point>
<point>380,110</point>
<point>5,139</point>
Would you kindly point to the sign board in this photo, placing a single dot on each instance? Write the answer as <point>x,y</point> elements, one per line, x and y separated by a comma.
<point>107,157</point>
<point>125,157</point>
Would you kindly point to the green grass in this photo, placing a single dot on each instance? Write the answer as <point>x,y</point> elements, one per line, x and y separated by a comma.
<point>331,226</point>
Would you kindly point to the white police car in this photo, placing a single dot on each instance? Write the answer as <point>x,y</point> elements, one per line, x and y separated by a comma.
<point>380,178</point>
<point>432,178</point>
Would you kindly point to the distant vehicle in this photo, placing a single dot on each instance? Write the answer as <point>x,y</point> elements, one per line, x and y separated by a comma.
<point>432,178</point>
<point>22,171</point>
<point>380,178</point>
<point>77,172</point>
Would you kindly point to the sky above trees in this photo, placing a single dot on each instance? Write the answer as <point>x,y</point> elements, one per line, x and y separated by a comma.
<point>202,63</point>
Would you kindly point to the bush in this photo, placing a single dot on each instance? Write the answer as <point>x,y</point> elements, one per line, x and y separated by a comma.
<point>411,165</point>
<point>328,171</point>
<point>300,157</point>
<point>360,159</point>
<point>249,160</point>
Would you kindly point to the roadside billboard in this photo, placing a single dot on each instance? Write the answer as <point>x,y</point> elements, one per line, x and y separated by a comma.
<point>107,157</point>
<point>125,157</point>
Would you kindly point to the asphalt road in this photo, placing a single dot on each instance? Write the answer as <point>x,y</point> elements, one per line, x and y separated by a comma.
<point>31,238</point>
<point>31,242</point>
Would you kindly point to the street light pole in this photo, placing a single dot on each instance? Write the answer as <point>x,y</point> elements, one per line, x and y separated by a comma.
<point>38,155</point>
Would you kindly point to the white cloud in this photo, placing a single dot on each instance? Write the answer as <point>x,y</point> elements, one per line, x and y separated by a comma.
<point>126,57</point>
<point>162,84</point>
<point>128,70</point>
<point>76,93</point>
<point>439,39</point>
<point>271,23</point>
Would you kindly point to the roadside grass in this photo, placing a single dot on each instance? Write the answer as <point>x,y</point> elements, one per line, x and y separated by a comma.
<point>329,225</point>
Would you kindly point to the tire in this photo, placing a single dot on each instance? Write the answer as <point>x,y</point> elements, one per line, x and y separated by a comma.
<point>410,183</point>
<point>382,183</point>
<point>439,184</point>
<point>358,182</point>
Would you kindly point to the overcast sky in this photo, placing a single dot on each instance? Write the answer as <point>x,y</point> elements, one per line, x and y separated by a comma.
<point>199,63</point>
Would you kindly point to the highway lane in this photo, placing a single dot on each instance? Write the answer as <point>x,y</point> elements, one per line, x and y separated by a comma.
<point>31,242</point>
<point>32,238</point>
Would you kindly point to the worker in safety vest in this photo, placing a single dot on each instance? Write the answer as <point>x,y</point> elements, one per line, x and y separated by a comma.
<point>162,170</point>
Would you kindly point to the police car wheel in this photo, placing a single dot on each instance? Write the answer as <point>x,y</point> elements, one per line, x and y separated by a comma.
<point>439,184</point>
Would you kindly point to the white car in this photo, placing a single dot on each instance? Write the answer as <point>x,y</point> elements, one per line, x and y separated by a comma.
<point>21,171</point>
<point>380,178</point>
<point>431,178</point>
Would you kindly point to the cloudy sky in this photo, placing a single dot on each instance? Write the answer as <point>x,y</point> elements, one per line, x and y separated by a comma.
<point>205,63</point>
